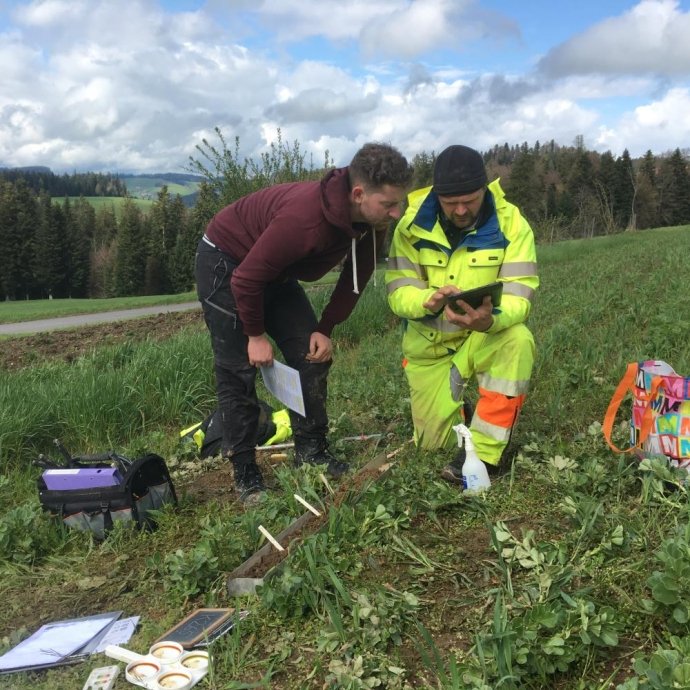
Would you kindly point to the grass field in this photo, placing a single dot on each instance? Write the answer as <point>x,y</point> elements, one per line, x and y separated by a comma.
<point>573,571</point>
<point>148,187</point>
<point>114,202</point>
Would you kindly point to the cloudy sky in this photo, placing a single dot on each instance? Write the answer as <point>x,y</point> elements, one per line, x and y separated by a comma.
<point>134,86</point>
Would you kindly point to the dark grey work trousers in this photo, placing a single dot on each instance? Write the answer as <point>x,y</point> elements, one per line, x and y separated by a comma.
<point>290,321</point>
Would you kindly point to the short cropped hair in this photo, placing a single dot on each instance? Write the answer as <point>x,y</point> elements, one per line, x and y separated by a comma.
<point>376,165</point>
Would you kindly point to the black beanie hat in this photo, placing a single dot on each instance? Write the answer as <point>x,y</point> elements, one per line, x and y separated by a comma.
<point>458,170</point>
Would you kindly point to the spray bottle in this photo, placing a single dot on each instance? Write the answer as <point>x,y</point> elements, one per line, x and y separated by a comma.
<point>475,476</point>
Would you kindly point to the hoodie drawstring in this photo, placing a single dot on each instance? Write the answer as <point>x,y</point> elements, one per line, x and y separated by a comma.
<point>355,283</point>
<point>373,241</point>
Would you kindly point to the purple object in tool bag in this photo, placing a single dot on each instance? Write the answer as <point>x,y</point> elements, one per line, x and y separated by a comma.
<point>82,478</point>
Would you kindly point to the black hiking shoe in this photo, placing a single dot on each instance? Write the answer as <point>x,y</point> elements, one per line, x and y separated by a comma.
<point>452,472</point>
<point>316,452</point>
<point>249,483</point>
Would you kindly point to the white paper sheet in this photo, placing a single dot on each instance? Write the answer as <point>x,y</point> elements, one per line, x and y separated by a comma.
<point>54,642</point>
<point>119,633</point>
<point>284,383</point>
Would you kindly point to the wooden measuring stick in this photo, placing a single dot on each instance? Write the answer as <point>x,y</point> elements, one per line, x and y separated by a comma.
<point>362,437</point>
<point>277,446</point>
<point>393,453</point>
<point>308,506</point>
<point>322,477</point>
<point>268,536</point>
<point>291,444</point>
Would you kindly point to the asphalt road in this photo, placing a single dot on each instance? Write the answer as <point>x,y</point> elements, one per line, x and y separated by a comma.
<point>43,325</point>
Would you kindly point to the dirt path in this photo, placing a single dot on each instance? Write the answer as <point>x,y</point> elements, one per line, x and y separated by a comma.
<point>17,352</point>
<point>44,325</point>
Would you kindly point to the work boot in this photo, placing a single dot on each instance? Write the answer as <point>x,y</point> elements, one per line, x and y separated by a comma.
<point>452,472</point>
<point>315,452</point>
<point>249,483</point>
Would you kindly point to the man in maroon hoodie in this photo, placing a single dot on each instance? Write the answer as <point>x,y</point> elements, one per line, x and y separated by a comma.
<point>248,265</point>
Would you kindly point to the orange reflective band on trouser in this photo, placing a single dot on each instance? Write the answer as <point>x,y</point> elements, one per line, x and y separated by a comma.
<point>498,409</point>
<point>404,362</point>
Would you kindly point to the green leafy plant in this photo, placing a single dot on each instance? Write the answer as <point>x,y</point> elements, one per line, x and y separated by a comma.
<point>670,587</point>
<point>188,573</point>
<point>665,669</point>
<point>25,536</point>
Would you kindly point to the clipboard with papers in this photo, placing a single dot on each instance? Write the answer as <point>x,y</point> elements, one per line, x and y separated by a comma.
<point>58,643</point>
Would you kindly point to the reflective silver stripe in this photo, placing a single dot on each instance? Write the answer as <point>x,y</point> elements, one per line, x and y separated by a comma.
<point>518,269</point>
<point>405,282</point>
<point>504,386</point>
<point>448,327</point>
<point>491,430</point>
<point>519,290</point>
<point>438,324</point>
<point>402,263</point>
<point>205,239</point>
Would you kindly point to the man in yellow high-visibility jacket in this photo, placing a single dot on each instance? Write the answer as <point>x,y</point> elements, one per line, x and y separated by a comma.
<point>459,234</point>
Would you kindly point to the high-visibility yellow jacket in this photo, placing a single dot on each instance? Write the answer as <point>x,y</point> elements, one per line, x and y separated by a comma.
<point>421,260</point>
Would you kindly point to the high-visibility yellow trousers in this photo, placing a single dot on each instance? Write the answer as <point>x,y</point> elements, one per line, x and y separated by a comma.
<point>502,363</point>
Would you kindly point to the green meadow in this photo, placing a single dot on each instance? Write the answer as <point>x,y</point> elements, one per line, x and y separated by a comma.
<point>572,571</point>
<point>114,203</point>
<point>148,187</point>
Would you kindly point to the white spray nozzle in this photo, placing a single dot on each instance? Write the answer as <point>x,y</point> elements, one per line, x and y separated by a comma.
<point>464,434</point>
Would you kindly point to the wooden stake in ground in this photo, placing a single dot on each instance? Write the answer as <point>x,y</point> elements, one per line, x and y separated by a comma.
<point>268,536</point>
<point>322,477</point>
<point>308,506</point>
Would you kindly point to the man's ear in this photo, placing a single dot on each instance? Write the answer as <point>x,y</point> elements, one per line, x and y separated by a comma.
<point>357,193</point>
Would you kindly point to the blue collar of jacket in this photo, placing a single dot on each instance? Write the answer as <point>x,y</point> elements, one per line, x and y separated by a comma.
<point>486,236</point>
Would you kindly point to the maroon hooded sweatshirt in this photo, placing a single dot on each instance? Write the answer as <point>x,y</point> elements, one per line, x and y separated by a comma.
<point>295,230</point>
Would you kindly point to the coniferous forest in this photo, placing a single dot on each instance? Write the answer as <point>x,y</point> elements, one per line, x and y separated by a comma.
<point>54,246</point>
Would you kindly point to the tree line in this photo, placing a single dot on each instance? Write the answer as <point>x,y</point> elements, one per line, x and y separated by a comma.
<point>63,248</point>
<point>41,179</point>
<point>568,192</point>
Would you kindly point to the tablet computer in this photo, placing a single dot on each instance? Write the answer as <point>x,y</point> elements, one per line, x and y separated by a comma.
<point>475,296</point>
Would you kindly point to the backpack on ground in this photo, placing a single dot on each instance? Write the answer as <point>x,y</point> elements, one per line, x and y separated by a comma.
<point>274,427</point>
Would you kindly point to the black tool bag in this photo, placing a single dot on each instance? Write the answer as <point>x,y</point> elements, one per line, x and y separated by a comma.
<point>145,486</point>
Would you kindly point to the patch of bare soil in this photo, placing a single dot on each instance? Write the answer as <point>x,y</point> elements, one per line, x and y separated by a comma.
<point>67,345</point>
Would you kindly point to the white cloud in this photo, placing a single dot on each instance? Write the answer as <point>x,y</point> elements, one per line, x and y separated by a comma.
<point>400,29</point>
<point>424,26</point>
<point>652,37</point>
<point>420,27</point>
<point>46,13</point>
<point>94,85</point>
<point>126,86</point>
<point>335,20</point>
<point>659,126</point>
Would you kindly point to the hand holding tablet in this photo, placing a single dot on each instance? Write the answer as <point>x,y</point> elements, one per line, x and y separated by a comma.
<point>475,296</point>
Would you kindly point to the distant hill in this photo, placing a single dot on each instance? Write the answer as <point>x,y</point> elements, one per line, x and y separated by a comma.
<point>180,178</point>
<point>30,169</point>
<point>147,186</point>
